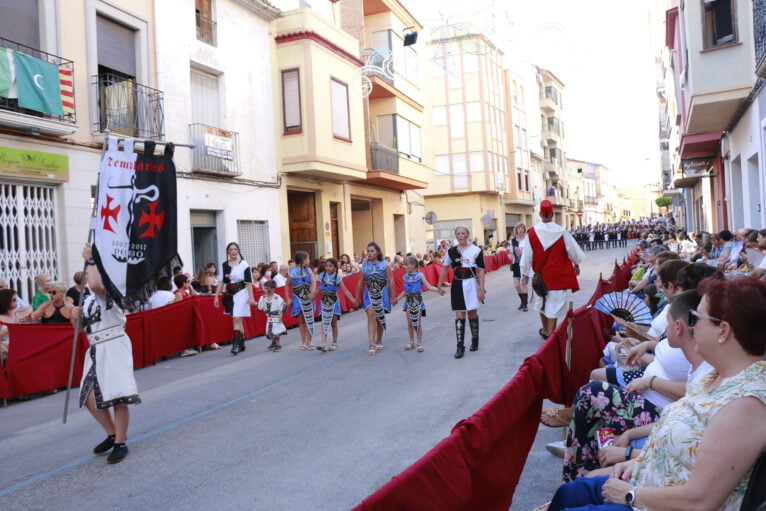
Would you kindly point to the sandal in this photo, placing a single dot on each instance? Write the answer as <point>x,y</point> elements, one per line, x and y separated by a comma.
<point>556,417</point>
<point>542,334</point>
<point>379,346</point>
<point>321,348</point>
<point>410,346</point>
<point>420,348</point>
<point>302,347</point>
<point>371,350</point>
<point>333,347</point>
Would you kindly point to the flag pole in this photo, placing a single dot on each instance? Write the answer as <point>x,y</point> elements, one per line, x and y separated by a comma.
<point>568,352</point>
<point>77,323</point>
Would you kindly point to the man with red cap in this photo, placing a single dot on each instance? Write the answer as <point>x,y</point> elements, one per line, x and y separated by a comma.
<point>550,250</point>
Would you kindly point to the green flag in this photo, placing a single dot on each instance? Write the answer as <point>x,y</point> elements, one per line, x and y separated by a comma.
<point>38,83</point>
<point>5,73</point>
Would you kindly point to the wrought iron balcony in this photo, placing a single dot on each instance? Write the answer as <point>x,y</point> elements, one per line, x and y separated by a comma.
<point>206,30</point>
<point>384,158</point>
<point>128,108</point>
<point>216,151</point>
<point>66,70</point>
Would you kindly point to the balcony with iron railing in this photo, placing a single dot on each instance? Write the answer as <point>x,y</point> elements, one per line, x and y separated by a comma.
<point>18,117</point>
<point>591,201</point>
<point>206,30</point>
<point>216,151</point>
<point>392,170</point>
<point>127,108</point>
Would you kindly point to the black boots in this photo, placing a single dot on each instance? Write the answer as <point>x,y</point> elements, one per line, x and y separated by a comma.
<point>474,324</point>
<point>460,334</point>
<point>524,301</point>
<point>237,342</point>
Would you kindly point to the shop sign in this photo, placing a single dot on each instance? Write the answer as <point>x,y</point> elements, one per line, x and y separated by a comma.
<point>697,167</point>
<point>219,143</point>
<point>20,163</point>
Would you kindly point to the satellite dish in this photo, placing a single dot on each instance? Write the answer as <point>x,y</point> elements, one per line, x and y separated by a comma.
<point>430,218</point>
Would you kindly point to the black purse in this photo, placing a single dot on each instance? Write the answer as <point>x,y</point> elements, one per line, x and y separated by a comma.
<point>538,284</point>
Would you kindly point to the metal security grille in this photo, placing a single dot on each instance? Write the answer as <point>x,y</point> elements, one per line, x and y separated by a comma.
<point>27,235</point>
<point>253,239</point>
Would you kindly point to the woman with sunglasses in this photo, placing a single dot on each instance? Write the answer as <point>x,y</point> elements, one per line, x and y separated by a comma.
<point>700,454</point>
<point>56,309</point>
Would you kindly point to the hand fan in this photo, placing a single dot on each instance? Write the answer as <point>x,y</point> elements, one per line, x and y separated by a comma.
<point>625,305</point>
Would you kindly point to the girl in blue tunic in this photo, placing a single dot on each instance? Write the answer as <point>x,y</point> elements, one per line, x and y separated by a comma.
<point>413,303</point>
<point>330,281</point>
<point>379,295</point>
<point>304,285</point>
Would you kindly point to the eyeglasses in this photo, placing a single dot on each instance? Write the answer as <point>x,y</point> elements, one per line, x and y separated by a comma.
<point>52,292</point>
<point>694,316</point>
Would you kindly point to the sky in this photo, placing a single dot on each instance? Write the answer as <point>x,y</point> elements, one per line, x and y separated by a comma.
<point>603,51</point>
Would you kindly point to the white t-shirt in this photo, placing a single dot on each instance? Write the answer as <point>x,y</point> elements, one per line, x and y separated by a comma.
<point>659,323</point>
<point>669,364</point>
<point>161,298</point>
<point>280,280</point>
<point>762,266</point>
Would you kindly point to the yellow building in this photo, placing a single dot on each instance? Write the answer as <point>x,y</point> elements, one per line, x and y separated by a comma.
<point>470,139</point>
<point>341,137</point>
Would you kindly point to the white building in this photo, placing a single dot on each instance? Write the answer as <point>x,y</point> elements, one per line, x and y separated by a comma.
<point>214,62</point>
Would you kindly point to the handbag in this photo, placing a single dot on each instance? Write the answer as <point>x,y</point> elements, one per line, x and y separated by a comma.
<point>538,284</point>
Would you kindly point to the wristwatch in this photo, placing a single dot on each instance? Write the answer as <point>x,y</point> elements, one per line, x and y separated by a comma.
<point>628,452</point>
<point>630,497</point>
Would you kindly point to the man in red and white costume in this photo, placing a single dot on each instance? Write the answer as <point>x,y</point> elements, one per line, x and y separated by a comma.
<point>560,270</point>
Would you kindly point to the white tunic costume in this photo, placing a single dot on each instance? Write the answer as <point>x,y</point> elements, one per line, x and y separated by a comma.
<point>235,304</point>
<point>108,367</point>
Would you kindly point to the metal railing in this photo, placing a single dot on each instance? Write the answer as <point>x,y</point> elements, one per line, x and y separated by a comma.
<point>591,201</point>
<point>460,180</point>
<point>206,30</point>
<point>64,65</point>
<point>216,151</point>
<point>380,63</point>
<point>127,108</point>
<point>384,158</point>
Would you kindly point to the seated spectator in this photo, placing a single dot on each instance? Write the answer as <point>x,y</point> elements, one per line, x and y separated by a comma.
<point>41,284</point>
<point>22,307</point>
<point>162,295</point>
<point>183,287</point>
<point>177,270</point>
<point>700,454</point>
<point>257,280</point>
<point>280,279</point>
<point>199,282</point>
<point>55,310</point>
<point>73,293</point>
<point>7,315</point>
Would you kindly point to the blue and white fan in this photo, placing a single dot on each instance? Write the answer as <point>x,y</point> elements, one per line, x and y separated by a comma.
<point>625,305</point>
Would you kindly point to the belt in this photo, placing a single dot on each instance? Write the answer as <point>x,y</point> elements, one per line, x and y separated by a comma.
<point>107,334</point>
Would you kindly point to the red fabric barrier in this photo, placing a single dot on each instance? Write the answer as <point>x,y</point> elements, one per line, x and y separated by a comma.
<point>496,261</point>
<point>38,358</point>
<point>479,464</point>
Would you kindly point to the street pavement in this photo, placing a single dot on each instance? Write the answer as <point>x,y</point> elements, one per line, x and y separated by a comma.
<point>295,430</point>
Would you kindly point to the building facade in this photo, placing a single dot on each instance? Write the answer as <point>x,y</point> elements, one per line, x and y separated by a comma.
<point>470,138</point>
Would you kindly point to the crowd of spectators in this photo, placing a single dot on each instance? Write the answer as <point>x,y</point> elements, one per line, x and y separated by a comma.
<point>659,422</point>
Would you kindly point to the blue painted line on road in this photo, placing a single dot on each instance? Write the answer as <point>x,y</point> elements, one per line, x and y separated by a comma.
<point>179,422</point>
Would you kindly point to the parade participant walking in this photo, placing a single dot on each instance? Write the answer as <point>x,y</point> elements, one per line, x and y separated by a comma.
<point>467,290</point>
<point>520,234</point>
<point>304,289</point>
<point>330,280</point>
<point>274,306</point>
<point>379,294</point>
<point>107,375</point>
<point>236,281</point>
<point>551,252</point>
<point>413,304</point>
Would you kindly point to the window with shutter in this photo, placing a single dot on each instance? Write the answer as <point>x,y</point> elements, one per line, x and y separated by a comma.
<point>341,127</point>
<point>116,47</point>
<point>253,239</point>
<point>20,23</point>
<point>206,104</point>
<point>291,101</point>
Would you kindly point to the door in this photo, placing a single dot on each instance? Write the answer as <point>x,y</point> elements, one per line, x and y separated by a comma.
<point>204,238</point>
<point>301,213</point>
<point>27,236</point>
<point>334,207</point>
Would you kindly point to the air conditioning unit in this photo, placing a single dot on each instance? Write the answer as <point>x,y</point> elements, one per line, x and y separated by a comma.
<point>546,175</point>
<point>539,78</point>
<point>543,142</point>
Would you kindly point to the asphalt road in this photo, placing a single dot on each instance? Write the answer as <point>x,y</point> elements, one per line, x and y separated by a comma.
<point>295,430</point>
